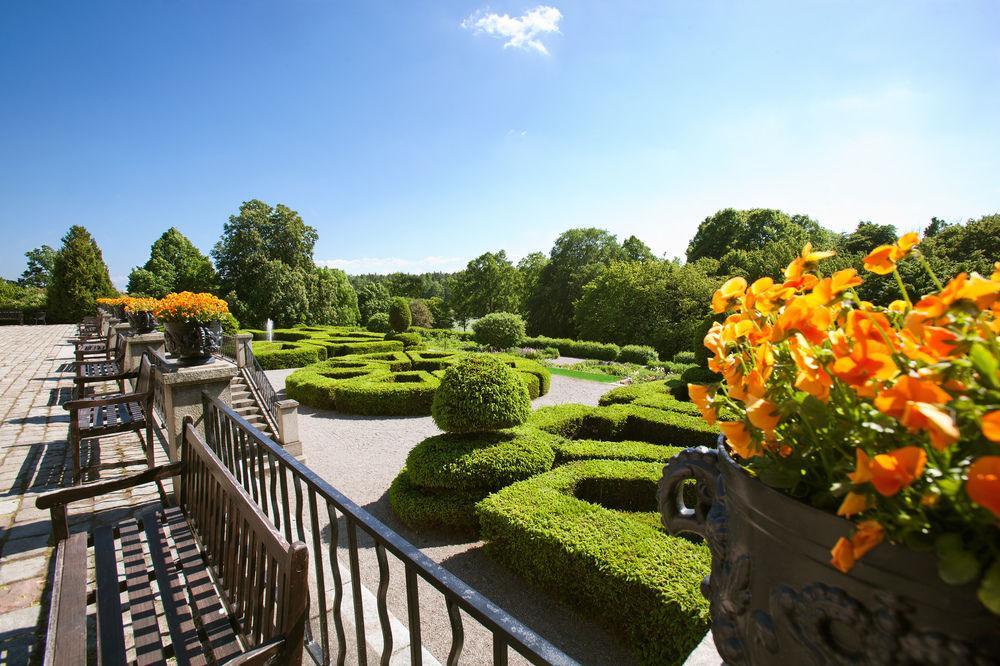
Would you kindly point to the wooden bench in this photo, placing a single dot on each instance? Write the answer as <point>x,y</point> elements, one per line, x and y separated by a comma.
<point>113,369</point>
<point>233,591</point>
<point>109,414</point>
<point>11,317</point>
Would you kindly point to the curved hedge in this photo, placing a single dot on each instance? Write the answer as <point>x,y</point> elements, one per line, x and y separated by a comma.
<point>584,532</point>
<point>649,394</point>
<point>619,423</point>
<point>479,393</point>
<point>278,355</point>
<point>391,382</point>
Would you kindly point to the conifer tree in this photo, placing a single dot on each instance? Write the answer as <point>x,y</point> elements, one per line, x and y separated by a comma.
<point>79,277</point>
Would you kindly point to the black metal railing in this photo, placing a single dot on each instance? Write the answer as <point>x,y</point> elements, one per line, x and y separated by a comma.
<point>266,395</point>
<point>227,349</point>
<point>307,508</point>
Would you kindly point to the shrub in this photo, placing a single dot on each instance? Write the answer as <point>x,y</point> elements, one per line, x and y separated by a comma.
<point>693,375</point>
<point>430,508</point>
<point>641,354</point>
<point>651,394</point>
<point>420,314</point>
<point>686,357</point>
<point>600,351</point>
<point>625,422</point>
<point>409,340</point>
<point>399,315</point>
<point>480,393</point>
<point>604,554</point>
<point>379,322</point>
<point>499,330</point>
<point>570,450</point>
<point>279,355</point>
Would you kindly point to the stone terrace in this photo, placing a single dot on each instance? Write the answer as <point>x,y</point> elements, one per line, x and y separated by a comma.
<point>35,379</point>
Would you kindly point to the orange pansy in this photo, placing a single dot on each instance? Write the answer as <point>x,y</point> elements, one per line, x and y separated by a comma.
<point>991,425</point>
<point>881,260</point>
<point>843,555</point>
<point>868,535</point>
<point>806,261</point>
<point>853,503</point>
<point>725,297</point>
<point>702,399</point>
<point>893,471</point>
<point>862,468</point>
<point>738,438</point>
<point>763,414</point>
<point>983,486</point>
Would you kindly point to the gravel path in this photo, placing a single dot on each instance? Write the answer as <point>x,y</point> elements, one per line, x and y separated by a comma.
<point>360,456</point>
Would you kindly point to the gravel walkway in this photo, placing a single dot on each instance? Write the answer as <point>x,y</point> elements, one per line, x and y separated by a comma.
<point>360,456</point>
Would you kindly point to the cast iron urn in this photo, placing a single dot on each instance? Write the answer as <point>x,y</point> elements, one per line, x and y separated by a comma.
<point>776,599</point>
<point>142,322</point>
<point>193,342</point>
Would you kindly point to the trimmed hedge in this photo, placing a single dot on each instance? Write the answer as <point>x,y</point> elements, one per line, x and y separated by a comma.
<point>389,382</point>
<point>431,509</point>
<point>409,340</point>
<point>379,323</point>
<point>400,317</point>
<point>278,355</point>
<point>640,354</point>
<point>625,422</point>
<point>499,330</point>
<point>480,393</point>
<point>570,450</point>
<point>693,375</point>
<point>577,348</point>
<point>583,532</point>
<point>648,394</point>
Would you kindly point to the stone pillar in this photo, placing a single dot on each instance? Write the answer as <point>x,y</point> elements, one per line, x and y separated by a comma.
<point>182,389</point>
<point>105,324</point>
<point>137,344</point>
<point>288,427</point>
<point>242,339</point>
<point>121,328</point>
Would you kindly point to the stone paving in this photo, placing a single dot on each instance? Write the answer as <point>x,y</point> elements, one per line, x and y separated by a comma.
<point>35,379</point>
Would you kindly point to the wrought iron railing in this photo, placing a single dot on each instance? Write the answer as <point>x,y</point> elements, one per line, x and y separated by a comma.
<point>227,349</point>
<point>267,397</point>
<point>305,507</point>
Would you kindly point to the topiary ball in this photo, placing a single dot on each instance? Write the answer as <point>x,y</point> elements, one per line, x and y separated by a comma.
<point>499,330</point>
<point>379,323</point>
<point>480,393</point>
<point>399,314</point>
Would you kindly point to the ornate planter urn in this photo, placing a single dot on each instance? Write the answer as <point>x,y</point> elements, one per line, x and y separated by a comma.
<point>193,342</point>
<point>142,322</point>
<point>775,598</point>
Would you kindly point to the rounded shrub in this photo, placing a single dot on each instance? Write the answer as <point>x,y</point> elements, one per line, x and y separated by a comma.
<point>379,323</point>
<point>480,393</point>
<point>399,315</point>
<point>499,330</point>
<point>686,357</point>
<point>641,354</point>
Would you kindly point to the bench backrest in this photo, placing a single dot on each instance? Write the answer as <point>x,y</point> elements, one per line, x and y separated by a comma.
<point>144,382</point>
<point>262,577</point>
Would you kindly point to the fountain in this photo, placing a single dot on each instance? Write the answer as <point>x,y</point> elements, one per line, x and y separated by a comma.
<point>269,327</point>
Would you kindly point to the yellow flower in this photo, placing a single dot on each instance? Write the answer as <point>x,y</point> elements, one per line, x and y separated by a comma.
<point>806,261</point>
<point>728,294</point>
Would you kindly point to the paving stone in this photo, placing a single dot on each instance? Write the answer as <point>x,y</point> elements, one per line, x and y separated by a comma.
<point>23,569</point>
<point>21,594</point>
<point>22,618</point>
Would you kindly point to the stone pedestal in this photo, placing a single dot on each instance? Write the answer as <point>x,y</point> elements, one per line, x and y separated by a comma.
<point>182,389</point>
<point>136,345</point>
<point>121,328</point>
<point>242,339</point>
<point>288,427</point>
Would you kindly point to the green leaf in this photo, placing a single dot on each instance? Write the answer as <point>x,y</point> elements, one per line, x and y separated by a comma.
<point>957,567</point>
<point>986,364</point>
<point>989,588</point>
<point>948,543</point>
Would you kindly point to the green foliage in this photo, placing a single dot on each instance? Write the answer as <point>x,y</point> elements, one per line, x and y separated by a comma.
<point>634,249</point>
<point>433,508</point>
<point>24,298</point>
<point>693,375</point>
<point>622,422</point>
<point>650,394</point>
<point>332,300</point>
<point>41,261</point>
<point>489,283</point>
<point>751,232</point>
<point>685,357</point>
<point>410,340</point>
<point>420,314</point>
<point>641,354</point>
<point>499,330</point>
<point>373,299</point>
<point>441,313</point>
<point>577,348</point>
<point>571,450</point>
<point>229,324</point>
<point>575,259</point>
<point>379,323</point>
<point>278,355</point>
<point>480,393</point>
<point>530,269</point>
<point>79,277</point>
<point>599,554</point>
<point>399,314</point>
<point>174,265</point>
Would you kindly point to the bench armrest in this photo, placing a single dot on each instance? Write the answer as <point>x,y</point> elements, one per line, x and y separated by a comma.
<point>57,500</point>
<point>107,378</point>
<point>262,654</point>
<point>83,403</point>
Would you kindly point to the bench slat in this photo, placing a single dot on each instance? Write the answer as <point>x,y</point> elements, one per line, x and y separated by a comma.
<point>67,633</point>
<point>183,632</point>
<point>211,611</point>
<point>145,625</point>
<point>110,637</point>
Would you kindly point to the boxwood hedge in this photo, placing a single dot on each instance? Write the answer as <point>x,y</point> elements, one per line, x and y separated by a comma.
<point>649,394</point>
<point>623,423</point>
<point>277,355</point>
<point>578,348</point>
<point>585,532</point>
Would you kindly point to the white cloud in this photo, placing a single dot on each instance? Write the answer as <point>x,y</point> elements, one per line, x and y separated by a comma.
<point>394,264</point>
<point>522,32</point>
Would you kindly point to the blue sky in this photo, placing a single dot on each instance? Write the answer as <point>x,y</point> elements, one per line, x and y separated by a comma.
<point>417,135</point>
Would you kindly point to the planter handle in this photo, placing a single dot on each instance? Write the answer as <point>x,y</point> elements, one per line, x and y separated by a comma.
<point>698,463</point>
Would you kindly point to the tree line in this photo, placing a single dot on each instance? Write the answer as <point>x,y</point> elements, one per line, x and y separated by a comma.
<point>589,286</point>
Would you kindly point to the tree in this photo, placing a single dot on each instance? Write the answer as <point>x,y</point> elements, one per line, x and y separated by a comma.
<point>634,249</point>
<point>39,271</point>
<point>530,268</point>
<point>755,229</point>
<point>421,314</point>
<point>867,237</point>
<point>332,299</point>
<point>936,225</point>
<point>79,277</point>
<point>489,283</point>
<point>577,256</point>
<point>373,298</point>
<point>174,265</point>
<point>399,314</point>
<point>440,312</point>
<point>657,303</point>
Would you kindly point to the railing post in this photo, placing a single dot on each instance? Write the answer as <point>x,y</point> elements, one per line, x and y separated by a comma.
<point>136,346</point>
<point>288,427</point>
<point>242,340</point>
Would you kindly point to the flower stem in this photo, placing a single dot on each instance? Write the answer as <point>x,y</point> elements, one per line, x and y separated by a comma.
<point>902,287</point>
<point>927,267</point>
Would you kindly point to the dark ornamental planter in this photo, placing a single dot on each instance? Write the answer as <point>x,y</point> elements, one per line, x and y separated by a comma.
<point>193,342</point>
<point>142,322</point>
<point>119,312</point>
<point>775,598</point>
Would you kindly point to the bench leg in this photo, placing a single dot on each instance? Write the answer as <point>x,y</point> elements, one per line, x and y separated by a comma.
<point>74,447</point>
<point>150,451</point>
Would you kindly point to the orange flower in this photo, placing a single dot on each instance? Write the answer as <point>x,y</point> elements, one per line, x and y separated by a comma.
<point>700,397</point>
<point>991,425</point>
<point>763,414</point>
<point>853,503</point>
<point>738,438</point>
<point>881,260</point>
<point>806,261</point>
<point>843,555</point>
<point>829,289</point>
<point>983,486</point>
<point>811,377</point>
<point>893,471</point>
<point>938,423</point>
<point>862,468</point>
<point>906,243</point>
<point>867,361</point>
<point>893,401</point>
<point>726,296</point>
<point>803,316</point>
<point>846,552</point>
